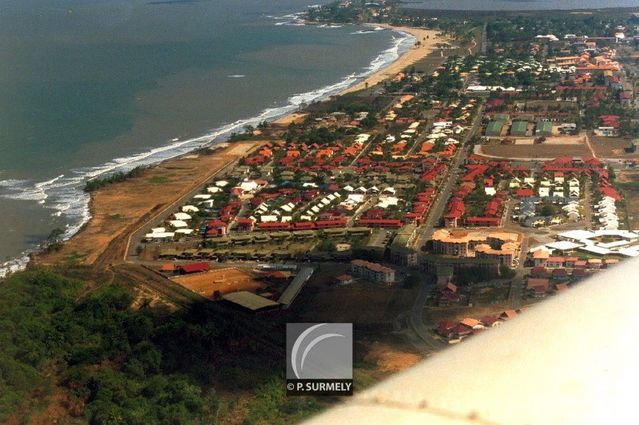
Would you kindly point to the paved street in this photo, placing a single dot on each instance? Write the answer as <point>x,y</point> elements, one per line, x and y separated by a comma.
<point>437,209</point>
<point>416,319</point>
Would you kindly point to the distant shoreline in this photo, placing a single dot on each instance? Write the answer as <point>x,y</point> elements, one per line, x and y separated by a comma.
<point>426,39</point>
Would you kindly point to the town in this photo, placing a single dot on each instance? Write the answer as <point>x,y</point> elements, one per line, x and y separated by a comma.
<point>488,175</point>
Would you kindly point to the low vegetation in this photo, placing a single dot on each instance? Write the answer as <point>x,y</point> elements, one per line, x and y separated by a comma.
<point>98,182</point>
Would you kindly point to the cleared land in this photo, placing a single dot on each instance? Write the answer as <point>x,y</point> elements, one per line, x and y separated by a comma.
<point>552,140</point>
<point>389,358</point>
<point>629,183</point>
<point>533,151</point>
<point>223,280</point>
<point>611,147</point>
<point>117,210</point>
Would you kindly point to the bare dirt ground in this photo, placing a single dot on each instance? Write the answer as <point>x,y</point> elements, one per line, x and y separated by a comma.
<point>291,118</point>
<point>544,150</point>
<point>120,208</point>
<point>145,296</point>
<point>389,358</point>
<point>434,315</point>
<point>225,281</point>
<point>552,140</point>
<point>611,147</point>
<point>627,176</point>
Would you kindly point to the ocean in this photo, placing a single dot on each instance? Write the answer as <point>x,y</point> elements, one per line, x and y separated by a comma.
<point>89,87</point>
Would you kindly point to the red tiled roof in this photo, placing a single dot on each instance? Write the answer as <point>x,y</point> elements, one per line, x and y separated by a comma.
<point>194,267</point>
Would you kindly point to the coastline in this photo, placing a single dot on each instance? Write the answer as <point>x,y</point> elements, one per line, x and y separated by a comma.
<point>93,228</point>
<point>426,39</point>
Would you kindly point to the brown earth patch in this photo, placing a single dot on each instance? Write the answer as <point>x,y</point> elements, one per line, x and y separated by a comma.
<point>389,358</point>
<point>225,281</point>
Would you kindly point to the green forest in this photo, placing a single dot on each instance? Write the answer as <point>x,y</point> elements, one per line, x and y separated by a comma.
<point>63,338</point>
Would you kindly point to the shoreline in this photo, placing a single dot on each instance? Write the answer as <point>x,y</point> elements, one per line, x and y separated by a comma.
<point>427,40</point>
<point>405,59</point>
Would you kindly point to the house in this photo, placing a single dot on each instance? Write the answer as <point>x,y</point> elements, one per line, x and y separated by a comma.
<point>515,183</point>
<point>606,131</point>
<point>344,279</point>
<point>462,330</point>
<point>216,228</point>
<point>555,262</point>
<point>490,321</point>
<point>508,315</point>
<point>525,193</point>
<point>446,328</point>
<point>539,272</point>
<point>540,257</point>
<point>372,271</point>
<point>537,287</point>
<point>456,209</point>
<point>570,261</point>
<point>560,274</point>
<point>568,128</point>
<point>244,224</point>
<point>472,323</point>
<point>594,263</point>
<point>193,268</point>
<point>168,268</point>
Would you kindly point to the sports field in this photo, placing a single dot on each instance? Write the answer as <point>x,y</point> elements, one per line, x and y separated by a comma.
<point>224,280</point>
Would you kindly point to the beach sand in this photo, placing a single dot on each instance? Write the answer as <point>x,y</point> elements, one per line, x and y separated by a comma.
<point>426,38</point>
<point>295,117</point>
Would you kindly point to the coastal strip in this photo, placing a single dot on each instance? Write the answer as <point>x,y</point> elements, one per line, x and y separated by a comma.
<point>119,209</point>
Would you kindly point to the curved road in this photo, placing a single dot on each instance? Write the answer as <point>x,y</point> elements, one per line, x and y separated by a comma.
<point>416,318</point>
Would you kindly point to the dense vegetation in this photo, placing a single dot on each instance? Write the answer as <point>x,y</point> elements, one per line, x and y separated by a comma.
<point>514,28</point>
<point>98,182</point>
<point>112,364</point>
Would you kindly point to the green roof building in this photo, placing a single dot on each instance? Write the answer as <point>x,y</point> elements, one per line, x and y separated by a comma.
<point>544,128</point>
<point>519,128</point>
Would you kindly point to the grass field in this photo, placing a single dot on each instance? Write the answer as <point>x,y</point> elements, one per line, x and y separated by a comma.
<point>225,281</point>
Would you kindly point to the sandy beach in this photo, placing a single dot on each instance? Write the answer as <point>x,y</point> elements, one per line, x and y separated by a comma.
<point>427,40</point>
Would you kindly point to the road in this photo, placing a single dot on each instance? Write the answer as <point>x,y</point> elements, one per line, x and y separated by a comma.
<point>416,319</point>
<point>425,231</point>
<point>517,282</point>
<point>136,236</point>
